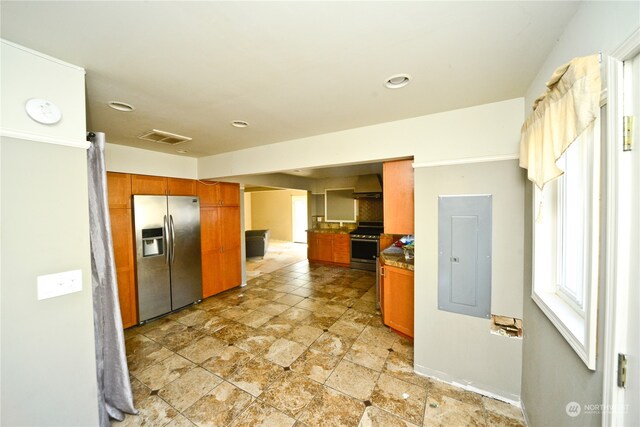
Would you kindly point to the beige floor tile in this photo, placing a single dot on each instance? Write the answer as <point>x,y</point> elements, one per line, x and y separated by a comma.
<point>291,393</point>
<point>438,388</point>
<point>356,316</point>
<point>401,366</point>
<point>382,337</point>
<point>367,355</point>
<point>347,328</point>
<point>305,334</point>
<point>284,352</point>
<point>502,408</point>
<point>255,319</point>
<point>332,344</point>
<point>376,417</point>
<point>256,376</point>
<point>178,338</point>
<point>139,390</point>
<point>190,387</point>
<point>444,411</point>
<point>193,317</point>
<point>256,343</point>
<point>332,408</point>
<point>261,414</point>
<point>159,323</point>
<point>498,420</point>
<point>235,313</point>
<point>220,406</point>
<point>353,380</point>
<point>153,411</point>
<point>167,326</point>
<point>202,349</point>
<point>226,361</point>
<point>401,398</point>
<point>144,353</point>
<point>233,333</point>
<point>315,365</point>
<point>254,303</point>
<point>295,314</point>
<point>157,376</point>
<point>273,308</point>
<point>319,321</point>
<point>180,421</point>
<point>214,324</point>
<point>289,299</point>
<point>276,327</point>
<point>404,347</point>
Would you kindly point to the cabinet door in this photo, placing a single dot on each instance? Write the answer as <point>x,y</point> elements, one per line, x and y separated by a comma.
<point>151,185</point>
<point>398,299</point>
<point>398,197</point>
<point>229,194</point>
<point>312,246</point>
<point>122,236</point>
<point>181,187</point>
<point>229,218</point>
<point>119,190</point>
<point>341,249</point>
<point>208,193</point>
<point>211,250</point>
<point>231,268</point>
<point>325,247</point>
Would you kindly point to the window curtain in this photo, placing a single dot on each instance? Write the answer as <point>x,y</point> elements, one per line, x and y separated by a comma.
<point>568,107</point>
<point>114,387</point>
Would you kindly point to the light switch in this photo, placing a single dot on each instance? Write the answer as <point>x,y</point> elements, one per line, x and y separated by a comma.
<point>57,284</point>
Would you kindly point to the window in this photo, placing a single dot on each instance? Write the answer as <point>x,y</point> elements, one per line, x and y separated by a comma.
<point>566,227</point>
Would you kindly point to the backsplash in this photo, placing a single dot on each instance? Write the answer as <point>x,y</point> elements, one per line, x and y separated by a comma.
<point>370,209</point>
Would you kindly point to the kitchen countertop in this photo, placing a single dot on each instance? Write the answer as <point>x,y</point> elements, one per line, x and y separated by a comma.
<point>330,230</point>
<point>394,257</point>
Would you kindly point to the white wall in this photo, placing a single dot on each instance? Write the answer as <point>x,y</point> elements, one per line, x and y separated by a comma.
<point>47,371</point>
<point>459,348</point>
<point>553,374</point>
<point>121,158</point>
<point>485,130</point>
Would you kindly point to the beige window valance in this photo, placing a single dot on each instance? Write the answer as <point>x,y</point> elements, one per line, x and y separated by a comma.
<point>568,107</point>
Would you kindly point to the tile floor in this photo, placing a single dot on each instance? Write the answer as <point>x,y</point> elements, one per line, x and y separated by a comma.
<point>279,254</point>
<point>301,346</point>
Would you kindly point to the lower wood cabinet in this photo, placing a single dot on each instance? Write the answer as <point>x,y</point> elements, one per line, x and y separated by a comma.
<point>397,298</point>
<point>329,247</point>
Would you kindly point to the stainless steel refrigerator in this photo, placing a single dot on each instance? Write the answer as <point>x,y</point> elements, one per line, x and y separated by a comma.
<point>168,253</point>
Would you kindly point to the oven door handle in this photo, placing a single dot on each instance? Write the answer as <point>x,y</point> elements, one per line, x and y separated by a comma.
<point>364,240</point>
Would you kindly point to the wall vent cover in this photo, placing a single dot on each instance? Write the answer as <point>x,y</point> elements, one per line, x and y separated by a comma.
<point>163,137</point>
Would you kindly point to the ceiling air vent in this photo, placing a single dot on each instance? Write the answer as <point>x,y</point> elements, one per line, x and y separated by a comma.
<point>164,137</point>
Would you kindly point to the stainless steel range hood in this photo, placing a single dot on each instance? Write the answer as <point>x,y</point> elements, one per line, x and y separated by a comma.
<point>368,186</point>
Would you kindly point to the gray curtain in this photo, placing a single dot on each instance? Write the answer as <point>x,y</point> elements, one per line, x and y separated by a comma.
<point>114,387</point>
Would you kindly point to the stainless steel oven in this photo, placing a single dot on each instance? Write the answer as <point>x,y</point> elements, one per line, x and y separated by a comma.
<point>365,245</point>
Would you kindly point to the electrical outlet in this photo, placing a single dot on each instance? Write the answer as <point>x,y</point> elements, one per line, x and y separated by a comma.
<point>57,284</point>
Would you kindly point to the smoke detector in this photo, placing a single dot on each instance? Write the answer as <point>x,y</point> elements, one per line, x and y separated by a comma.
<point>163,137</point>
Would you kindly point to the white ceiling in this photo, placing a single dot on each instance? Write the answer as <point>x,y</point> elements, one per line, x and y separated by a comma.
<point>291,69</point>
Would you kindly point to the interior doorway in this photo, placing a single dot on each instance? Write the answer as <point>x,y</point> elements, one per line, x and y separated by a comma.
<point>299,218</point>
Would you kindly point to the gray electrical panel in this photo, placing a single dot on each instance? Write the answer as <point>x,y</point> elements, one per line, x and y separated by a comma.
<point>464,254</point>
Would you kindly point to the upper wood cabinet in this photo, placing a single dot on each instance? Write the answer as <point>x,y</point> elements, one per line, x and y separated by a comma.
<point>149,185</point>
<point>218,193</point>
<point>181,187</point>
<point>398,197</point>
<point>119,190</point>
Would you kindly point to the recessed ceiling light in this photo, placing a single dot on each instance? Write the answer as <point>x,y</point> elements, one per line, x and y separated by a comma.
<point>397,81</point>
<point>182,151</point>
<point>239,124</point>
<point>121,106</point>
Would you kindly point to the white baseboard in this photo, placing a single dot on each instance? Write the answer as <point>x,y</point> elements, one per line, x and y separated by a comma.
<point>509,398</point>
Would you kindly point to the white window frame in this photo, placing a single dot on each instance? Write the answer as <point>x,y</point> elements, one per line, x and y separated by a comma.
<point>575,319</point>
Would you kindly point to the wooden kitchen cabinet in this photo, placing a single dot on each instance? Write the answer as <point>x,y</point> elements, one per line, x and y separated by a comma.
<point>398,197</point>
<point>218,193</point>
<point>149,185</point>
<point>397,298</point>
<point>330,248</point>
<point>120,212</point>
<point>181,187</point>
<point>220,247</point>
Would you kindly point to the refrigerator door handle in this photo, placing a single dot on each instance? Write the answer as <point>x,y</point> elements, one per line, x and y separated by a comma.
<point>166,243</point>
<point>173,239</point>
